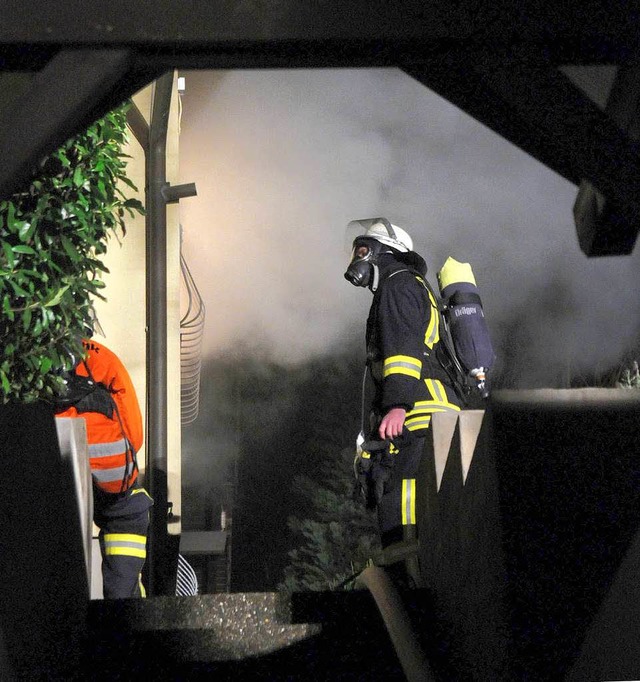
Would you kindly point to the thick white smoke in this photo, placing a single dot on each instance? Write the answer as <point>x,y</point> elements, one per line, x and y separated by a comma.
<point>283,160</point>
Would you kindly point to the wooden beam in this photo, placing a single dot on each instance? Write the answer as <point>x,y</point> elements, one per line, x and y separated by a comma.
<point>570,31</point>
<point>74,89</point>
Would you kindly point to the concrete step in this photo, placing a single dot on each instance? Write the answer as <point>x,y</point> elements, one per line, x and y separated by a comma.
<point>217,627</point>
<point>241,636</point>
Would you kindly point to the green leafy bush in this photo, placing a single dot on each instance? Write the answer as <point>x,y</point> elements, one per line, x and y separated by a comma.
<point>51,238</point>
<point>338,539</point>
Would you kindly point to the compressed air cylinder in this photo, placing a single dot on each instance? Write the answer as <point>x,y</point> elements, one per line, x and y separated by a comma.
<point>467,324</point>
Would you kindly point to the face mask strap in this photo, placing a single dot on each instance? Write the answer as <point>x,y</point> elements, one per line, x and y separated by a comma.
<point>376,277</point>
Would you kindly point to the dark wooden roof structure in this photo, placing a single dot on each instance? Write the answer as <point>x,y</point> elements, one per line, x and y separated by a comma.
<point>559,80</point>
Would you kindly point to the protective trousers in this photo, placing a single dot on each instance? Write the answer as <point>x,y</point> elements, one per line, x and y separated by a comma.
<point>123,520</point>
<point>397,508</point>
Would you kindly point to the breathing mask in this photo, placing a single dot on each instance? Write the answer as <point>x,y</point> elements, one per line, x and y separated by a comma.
<point>363,266</point>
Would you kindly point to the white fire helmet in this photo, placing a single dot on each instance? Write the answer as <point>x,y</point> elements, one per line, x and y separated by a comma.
<point>383,231</point>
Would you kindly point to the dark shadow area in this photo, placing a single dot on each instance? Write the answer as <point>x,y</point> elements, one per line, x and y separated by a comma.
<point>611,650</point>
<point>569,480</point>
<point>352,643</point>
<point>44,601</point>
<point>266,423</point>
<point>462,565</point>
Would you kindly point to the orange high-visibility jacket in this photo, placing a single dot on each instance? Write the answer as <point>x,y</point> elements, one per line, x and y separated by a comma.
<point>112,442</point>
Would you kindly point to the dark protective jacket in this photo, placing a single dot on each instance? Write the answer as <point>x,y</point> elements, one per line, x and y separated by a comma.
<point>403,333</point>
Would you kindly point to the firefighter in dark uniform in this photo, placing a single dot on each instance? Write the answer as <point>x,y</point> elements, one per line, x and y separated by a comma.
<point>100,391</point>
<point>402,356</point>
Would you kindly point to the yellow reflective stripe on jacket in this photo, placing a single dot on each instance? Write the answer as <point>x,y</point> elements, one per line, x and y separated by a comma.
<point>125,544</point>
<point>421,421</point>
<point>408,501</point>
<point>402,364</point>
<point>420,416</point>
<point>440,399</point>
<point>439,403</point>
<point>432,335</point>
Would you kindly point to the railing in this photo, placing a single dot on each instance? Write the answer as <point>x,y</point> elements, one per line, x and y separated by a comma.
<point>191,331</point>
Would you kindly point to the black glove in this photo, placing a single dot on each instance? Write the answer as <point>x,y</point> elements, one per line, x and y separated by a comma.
<point>373,466</point>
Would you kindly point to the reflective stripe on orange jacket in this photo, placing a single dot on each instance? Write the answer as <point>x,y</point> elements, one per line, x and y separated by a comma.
<point>112,442</point>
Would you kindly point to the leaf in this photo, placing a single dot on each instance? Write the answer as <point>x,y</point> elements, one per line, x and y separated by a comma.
<point>64,160</point>
<point>26,319</point>
<point>24,231</point>
<point>8,253</point>
<point>45,364</point>
<point>45,320</point>
<point>34,274</point>
<point>78,176</point>
<point>128,182</point>
<point>11,217</point>
<point>23,248</point>
<point>6,386</point>
<point>69,248</point>
<point>18,290</point>
<point>56,298</point>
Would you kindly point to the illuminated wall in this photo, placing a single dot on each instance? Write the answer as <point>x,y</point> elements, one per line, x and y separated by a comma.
<point>123,315</point>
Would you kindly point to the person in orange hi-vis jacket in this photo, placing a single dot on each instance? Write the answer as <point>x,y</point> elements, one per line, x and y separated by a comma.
<point>100,390</point>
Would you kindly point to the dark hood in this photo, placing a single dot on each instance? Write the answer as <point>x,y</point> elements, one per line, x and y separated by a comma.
<point>411,260</point>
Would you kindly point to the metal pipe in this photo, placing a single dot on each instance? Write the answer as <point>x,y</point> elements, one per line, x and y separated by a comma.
<point>412,659</point>
<point>173,193</point>
<point>156,267</point>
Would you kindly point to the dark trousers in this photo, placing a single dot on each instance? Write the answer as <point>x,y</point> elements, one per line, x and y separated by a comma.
<point>397,508</point>
<point>123,520</point>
